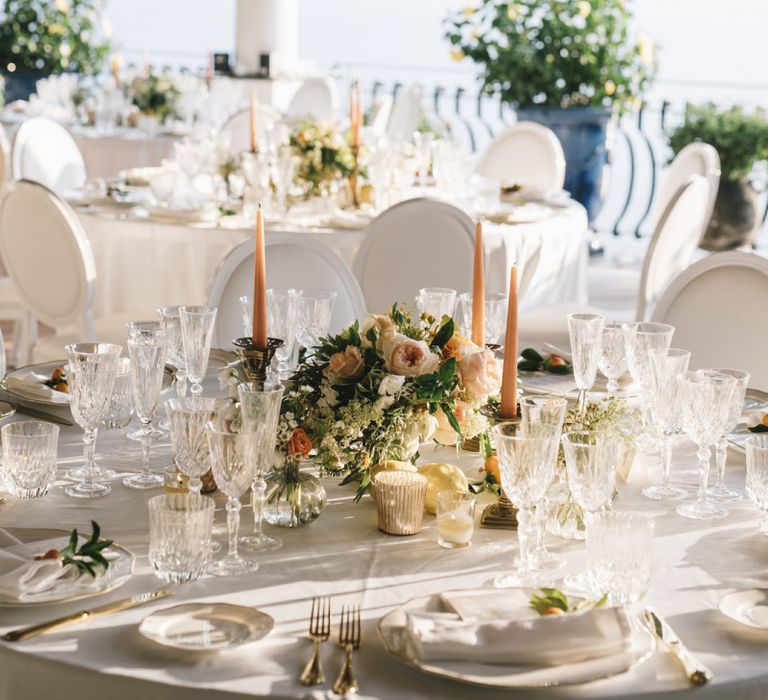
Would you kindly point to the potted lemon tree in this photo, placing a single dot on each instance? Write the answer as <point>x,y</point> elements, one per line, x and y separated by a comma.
<point>570,65</point>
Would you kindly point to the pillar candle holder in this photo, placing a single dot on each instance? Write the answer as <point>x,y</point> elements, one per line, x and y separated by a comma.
<point>255,360</point>
<point>501,515</point>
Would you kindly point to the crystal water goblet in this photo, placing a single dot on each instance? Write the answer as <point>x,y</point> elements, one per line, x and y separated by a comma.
<point>495,315</point>
<point>282,322</point>
<point>667,367</point>
<point>720,490</point>
<point>121,404</point>
<point>143,329</point>
<point>91,373</point>
<point>613,355</point>
<point>757,475</point>
<point>260,411</point>
<point>436,302</point>
<point>314,317</point>
<point>527,454</point>
<point>639,338</point>
<point>187,418</point>
<point>246,314</point>
<point>585,332</point>
<point>29,457</point>
<point>147,353</point>
<point>171,318</point>
<point>550,411</point>
<point>197,323</point>
<point>706,412</point>
<point>234,461</point>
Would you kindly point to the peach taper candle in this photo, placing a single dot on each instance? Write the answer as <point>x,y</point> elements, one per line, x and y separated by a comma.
<point>253,122</point>
<point>478,290</point>
<point>509,373</point>
<point>260,286</point>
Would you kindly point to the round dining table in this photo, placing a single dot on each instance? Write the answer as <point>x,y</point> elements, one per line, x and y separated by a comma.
<point>343,555</point>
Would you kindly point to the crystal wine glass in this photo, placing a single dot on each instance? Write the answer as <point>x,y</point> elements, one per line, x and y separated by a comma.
<point>187,418</point>
<point>197,323</point>
<point>706,412</point>
<point>613,355</point>
<point>314,319</point>
<point>667,367</point>
<point>260,410</point>
<point>585,332</point>
<point>757,475</point>
<point>92,369</point>
<point>142,329</point>
<point>495,315</point>
<point>147,352</point>
<point>233,460</point>
<point>527,453</point>
<point>720,490</point>
<point>639,339</point>
<point>282,322</point>
<point>171,319</point>
<point>549,411</point>
<point>436,301</point>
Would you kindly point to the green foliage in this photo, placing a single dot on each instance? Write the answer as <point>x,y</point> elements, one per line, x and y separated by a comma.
<point>324,156</point>
<point>555,599</point>
<point>88,558</point>
<point>740,138</point>
<point>53,36</point>
<point>554,53</point>
<point>155,95</point>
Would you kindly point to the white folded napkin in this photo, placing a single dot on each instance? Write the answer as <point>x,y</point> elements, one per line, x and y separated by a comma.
<point>518,636</point>
<point>348,220</point>
<point>31,385</point>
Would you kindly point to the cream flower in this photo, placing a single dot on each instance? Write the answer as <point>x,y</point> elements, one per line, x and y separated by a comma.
<point>480,373</point>
<point>645,49</point>
<point>382,324</point>
<point>348,364</point>
<point>408,357</point>
<point>388,390</point>
<point>584,8</point>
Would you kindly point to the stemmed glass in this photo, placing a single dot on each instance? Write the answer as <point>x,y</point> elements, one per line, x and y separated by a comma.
<point>549,411</point>
<point>527,453</point>
<point>668,367</point>
<point>314,319</point>
<point>720,490</point>
<point>187,418</point>
<point>495,315</point>
<point>142,329</point>
<point>639,339</point>
<point>585,331</point>
<point>422,142</point>
<point>436,301</point>
<point>233,461</point>
<point>613,355</point>
<point>171,319</point>
<point>197,324</point>
<point>147,350</point>
<point>260,411</point>
<point>757,475</point>
<point>92,369</point>
<point>706,412</point>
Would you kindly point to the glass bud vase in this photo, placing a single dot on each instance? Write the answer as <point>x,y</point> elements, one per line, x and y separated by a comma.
<point>294,498</point>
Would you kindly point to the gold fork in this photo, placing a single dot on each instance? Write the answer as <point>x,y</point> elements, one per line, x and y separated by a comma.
<point>349,639</point>
<point>319,631</point>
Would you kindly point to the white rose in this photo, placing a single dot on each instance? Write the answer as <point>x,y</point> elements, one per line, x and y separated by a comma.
<point>428,426</point>
<point>381,324</point>
<point>408,357</point>
<point>391,385</point>
<point>480,373</point>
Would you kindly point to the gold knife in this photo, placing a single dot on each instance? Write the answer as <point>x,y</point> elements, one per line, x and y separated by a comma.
<point>696,672</point>
<point>22,633</point>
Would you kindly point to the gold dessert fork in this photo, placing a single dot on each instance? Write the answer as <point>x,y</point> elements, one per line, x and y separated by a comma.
<point>319,631</point>
<point>349,639</point>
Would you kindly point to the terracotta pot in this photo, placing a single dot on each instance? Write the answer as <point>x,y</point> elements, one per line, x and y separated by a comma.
<point>735,220</point>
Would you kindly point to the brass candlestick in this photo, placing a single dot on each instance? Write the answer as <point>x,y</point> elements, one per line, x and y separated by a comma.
<point>255,360</point>
<point>501,515</point>
<point>354,176</point>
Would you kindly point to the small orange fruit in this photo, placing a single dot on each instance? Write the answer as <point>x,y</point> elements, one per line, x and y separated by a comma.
<point>553,611</point>
<point>765,419</point>
<point>556,361</point>
<point>492,467</point>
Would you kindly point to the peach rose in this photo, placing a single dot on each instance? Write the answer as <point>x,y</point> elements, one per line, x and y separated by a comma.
<point>445,434</point>
<point>348,364</point>
<point>408,357</point>
<point>299,443</point>
<point>480,373</point>
<point>381,324</point>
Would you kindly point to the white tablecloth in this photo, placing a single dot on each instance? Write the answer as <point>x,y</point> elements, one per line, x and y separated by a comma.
<point>130,148</point>
<point>143,264</point>
<point>345,556</point>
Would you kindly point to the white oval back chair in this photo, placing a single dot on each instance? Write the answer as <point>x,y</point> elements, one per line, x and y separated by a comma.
<point>527,154</point>
<point>292,261</point>
<point>406,110</point>
<point>238,126</point>
<point>315,100</point>
<point>717,309</point>
<point>45,152</point>
<point>417,243</point>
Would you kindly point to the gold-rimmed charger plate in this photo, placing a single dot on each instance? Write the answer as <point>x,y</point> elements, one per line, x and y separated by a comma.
<point>391,630</point>
<point>754,400</point>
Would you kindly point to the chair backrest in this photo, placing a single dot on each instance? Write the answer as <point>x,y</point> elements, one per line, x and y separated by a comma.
<point>527,154</point>
<point>695,159</point>
<point>238,126</point>
<point>293,260</point>
<point>406,110</point>
<point>315,100</point>
<point>45,152</point>
<point>674,241</point>
<point>717,311</point>
<point>417,243</point>
<point>381,115</point>
<point>47,255</point>
<point>5,157</point>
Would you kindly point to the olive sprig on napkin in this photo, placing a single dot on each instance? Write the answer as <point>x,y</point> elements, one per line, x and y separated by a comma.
<point>553,601</point>
<point>88,557</point>
<point>533,361</point>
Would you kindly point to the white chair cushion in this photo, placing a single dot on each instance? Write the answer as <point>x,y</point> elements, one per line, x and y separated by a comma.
<point>548,324</point>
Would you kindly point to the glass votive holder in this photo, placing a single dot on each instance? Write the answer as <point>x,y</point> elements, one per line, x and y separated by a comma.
<point>455,519</point>
<point>400,500</point>
<point>120,407</point>
<point>437,301</point>
<point>180,527</point>
<point>619,555</point>
<point>29,457</point>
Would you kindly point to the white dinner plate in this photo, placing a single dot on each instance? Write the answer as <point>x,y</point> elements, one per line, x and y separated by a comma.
<point>119,571</point>
<point>749,607</point>
<point>391,629</point>
<point>206,626</point>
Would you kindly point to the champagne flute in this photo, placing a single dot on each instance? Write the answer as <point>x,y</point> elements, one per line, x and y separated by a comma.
<point>613,355</point>
<point>142,329</point>
<point>197,323</point>
<point>585,332</point>
<point>171,318</point>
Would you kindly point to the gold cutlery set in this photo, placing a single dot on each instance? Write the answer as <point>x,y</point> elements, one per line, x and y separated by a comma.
<point>349,640</point>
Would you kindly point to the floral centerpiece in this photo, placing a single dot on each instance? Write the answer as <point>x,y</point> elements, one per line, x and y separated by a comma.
<point>324,157</point>
<point>375,393</point>
<point>155,96</point>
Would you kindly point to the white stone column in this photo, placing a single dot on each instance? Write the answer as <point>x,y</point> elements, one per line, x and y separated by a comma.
<point>267,26</point>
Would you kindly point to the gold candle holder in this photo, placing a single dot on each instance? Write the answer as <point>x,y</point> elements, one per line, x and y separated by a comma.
<point>501,515</point>
<point>255,360</point>
<point>400,500</point>
<point>354,177</point>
